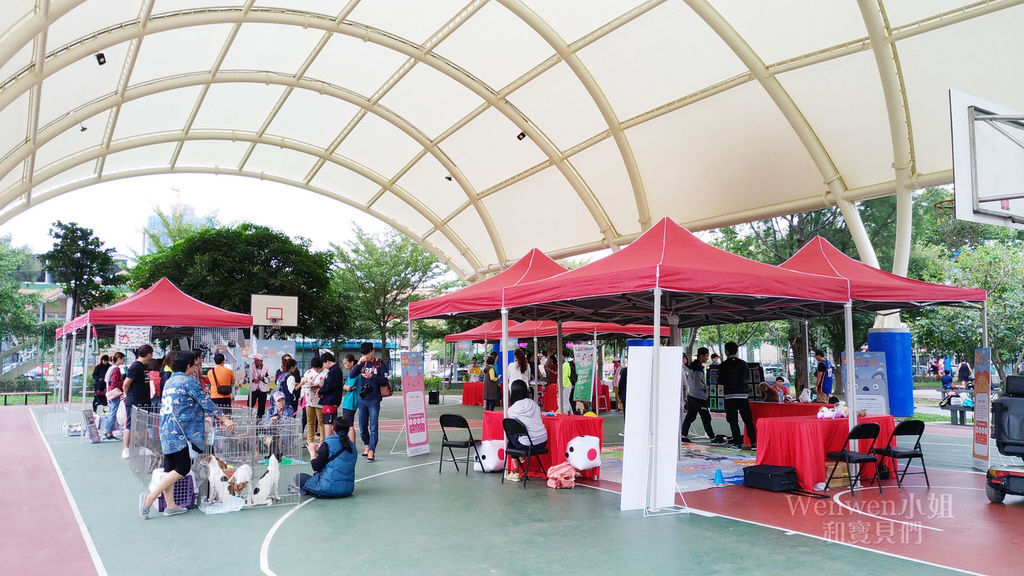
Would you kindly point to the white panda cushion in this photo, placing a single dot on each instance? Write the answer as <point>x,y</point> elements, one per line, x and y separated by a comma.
<point>492,456</point>
<point>584,452</point>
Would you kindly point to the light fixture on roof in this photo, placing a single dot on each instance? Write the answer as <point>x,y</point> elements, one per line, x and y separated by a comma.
<point>100,58</point>
<point>448,177</point>
<point>521,135</point>
<point>81,127</point>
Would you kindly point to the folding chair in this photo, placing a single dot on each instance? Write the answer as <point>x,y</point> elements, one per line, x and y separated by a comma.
<point>514,427</point>
<point>905,428</point>
<point>866,431</point>
<point>454,421</point>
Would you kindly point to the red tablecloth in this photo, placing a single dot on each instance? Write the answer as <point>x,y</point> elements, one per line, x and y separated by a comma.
<point>561,429</point>
<point>473,393</point>
<point>775,410</point>
<point>802,441</point>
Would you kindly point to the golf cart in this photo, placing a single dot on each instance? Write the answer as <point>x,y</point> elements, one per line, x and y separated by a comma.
<point>1008,422</point>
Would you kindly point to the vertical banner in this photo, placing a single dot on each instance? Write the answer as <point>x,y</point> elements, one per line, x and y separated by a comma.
<point>872,382</point>
<point>584,356</point>
<point>982,406</point>
<point>415,402</point>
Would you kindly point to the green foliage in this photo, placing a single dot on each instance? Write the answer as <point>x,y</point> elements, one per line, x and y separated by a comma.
<point>224,266</point>
<point>17,318</point>
<point>381,274</point>
<point>84,268</point>
<point>180,223</point>
<point>432,383</point>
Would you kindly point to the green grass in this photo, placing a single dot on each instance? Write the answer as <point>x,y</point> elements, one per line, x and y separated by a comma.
<point>931,417</point>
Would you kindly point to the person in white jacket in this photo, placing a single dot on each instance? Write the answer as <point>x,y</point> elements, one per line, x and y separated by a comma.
<point>525,410</point>
<point>519,369</point>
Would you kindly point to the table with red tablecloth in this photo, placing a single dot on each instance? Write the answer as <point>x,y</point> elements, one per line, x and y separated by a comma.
<point>776,410</point>
<point>802,441</point>
<point>561,429</point>
<point>473,393</point>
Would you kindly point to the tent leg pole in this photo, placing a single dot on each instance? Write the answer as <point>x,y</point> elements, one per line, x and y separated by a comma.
<point>558,352</point>
<point>595,385</point>
<point>85,359</point>
<point>807,354</point>
<point>984,325</point>
<point>536,372</point>
<point>850,386</point>
<point>503,360</point>
<point>652,432</point>
<point>70,368</point>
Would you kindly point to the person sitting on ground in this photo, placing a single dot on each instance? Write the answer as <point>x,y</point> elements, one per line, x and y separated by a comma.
<point>525,410</point>
<point>184,405</point>
<point>279,409</point>
<point>947,380</point>
<point>334,464</point>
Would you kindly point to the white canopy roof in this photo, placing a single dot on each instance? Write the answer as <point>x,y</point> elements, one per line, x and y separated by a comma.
<point>483,129</point>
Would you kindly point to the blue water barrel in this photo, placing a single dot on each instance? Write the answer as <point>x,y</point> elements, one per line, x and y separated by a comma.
<point>899,367</point>
<point>639,342</point>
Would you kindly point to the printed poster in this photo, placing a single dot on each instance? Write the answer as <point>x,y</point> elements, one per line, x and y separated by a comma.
<point>872,382</point>
<point>131,337</point>
<point>982,406</point>
<point>586,364</point>
<point>415,402</point>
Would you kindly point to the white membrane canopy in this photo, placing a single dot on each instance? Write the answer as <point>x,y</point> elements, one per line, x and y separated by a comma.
<point>483,129</point>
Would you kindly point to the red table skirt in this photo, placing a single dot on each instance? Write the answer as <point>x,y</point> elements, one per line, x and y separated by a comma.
<point>775,410</point>
<point>561,429</point>
<point>473,393</point>
<point>802,441</point>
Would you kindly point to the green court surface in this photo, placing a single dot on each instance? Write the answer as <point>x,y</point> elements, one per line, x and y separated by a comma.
<point>405,518</point>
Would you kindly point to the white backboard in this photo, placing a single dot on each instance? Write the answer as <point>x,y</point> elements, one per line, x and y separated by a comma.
<point>267,308</point>
<point>988,161</point>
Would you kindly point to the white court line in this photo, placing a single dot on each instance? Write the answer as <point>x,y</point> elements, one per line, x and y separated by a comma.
<point>265,547</point>
<point>789,532</point>
<point>96,560</point>
<point>835,499</point>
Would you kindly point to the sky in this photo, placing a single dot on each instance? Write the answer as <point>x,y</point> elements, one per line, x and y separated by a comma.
<point>117,211</point>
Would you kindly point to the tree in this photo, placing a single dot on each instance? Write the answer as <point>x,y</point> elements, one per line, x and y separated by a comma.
<point>16,317</point>
<point>178,224</point>
<point>85,269</point>
<point>225,266</point>
<point>381,274</point>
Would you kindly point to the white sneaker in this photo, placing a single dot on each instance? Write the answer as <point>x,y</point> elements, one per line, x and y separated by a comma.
<point>124,454</point>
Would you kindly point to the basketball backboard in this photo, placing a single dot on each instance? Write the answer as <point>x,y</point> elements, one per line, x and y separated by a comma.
<point>278,311</point>
<point>988,161</point>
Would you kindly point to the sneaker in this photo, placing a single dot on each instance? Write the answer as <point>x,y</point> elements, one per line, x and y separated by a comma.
<point>175,511</point>
<point>686,439</point>
<point>366,451</point>
<point>735,446</point>
<point>718,439</point>
<point>143,509</point>
<point>124,454</point>
<point>514,477</point>
<point>369,456</point>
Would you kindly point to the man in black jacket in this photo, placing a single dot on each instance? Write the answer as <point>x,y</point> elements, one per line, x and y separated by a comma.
<point>732,375</point>
<point>330,393</point>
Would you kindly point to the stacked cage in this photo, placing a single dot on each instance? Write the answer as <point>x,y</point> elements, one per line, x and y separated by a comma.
<point>144,451</point>
<point>252,466</point>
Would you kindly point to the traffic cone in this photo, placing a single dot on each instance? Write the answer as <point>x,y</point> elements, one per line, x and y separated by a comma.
<point>719,480</point>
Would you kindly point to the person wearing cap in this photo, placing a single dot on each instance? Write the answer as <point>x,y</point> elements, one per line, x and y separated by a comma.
<point>258,386</point>
<point>333,462</point>
<point>279,408</point>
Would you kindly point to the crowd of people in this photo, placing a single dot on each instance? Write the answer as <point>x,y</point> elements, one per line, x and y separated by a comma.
<point>177,388</point>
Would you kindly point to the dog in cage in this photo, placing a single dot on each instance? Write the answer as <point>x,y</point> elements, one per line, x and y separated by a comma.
<point>265,491</point>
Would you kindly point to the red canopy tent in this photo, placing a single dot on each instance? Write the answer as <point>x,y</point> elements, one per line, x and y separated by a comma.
<point>546,329</point>
<point>483,299</point>
<point>875,290</point>
<point>162,304</point>
<point>697,282</point>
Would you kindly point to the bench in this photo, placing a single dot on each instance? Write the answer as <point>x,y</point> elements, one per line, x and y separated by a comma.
<point>957,413</point>
<point>25,395</point>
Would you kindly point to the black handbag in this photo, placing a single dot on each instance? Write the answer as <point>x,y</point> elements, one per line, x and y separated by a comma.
<point>222,390</point>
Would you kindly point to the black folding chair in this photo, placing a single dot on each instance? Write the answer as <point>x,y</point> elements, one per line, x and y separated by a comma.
<point>454,421</point>
<point>866,431</point>
<point>905,428</point>
<point>514,427</point>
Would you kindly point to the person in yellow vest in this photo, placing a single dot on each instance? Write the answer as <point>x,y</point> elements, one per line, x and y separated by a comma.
<point>222,383</point>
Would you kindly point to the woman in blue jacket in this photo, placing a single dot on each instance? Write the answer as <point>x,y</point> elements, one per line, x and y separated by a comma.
<point>334,464</point>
